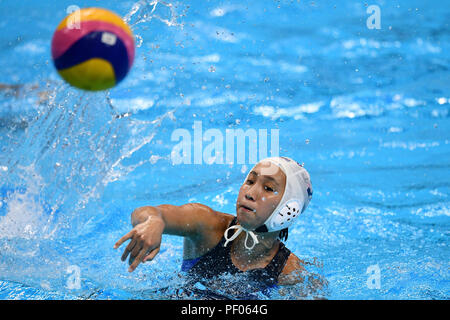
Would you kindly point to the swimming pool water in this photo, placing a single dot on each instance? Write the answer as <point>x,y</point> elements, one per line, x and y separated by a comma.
<point>366,111</point>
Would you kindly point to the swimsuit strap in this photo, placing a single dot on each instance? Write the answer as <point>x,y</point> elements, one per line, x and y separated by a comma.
<point>278,262</point>
<point>218,260</point>
<point>222,241</point>
<point>215,261</point>
<point>276,266</point>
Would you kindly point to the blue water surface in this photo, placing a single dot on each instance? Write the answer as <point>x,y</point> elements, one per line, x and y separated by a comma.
<point>366,111</point>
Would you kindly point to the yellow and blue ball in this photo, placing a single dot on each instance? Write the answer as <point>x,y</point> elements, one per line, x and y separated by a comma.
<point>93,49</point>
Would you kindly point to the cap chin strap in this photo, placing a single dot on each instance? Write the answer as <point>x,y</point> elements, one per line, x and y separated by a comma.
<point>239,229</point>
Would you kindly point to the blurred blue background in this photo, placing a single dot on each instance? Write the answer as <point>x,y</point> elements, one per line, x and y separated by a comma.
<point>366,110</point>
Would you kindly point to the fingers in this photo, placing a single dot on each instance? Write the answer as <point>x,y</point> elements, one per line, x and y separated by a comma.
<point>127,250</point>
<point>137,260</point>
<point>152,255</point>
<point>123,239</point>
<point>137,248</point>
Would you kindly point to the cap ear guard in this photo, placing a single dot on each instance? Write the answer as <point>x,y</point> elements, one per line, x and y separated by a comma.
<point>284,217</point>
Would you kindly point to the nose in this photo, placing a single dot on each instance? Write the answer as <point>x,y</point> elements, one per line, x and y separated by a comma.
<point>251,193</point>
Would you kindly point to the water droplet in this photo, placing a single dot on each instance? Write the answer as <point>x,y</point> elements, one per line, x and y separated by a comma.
<point>139,41</point>
<point>154,159</point>
<point>45,285</point>
<point>307,141</point>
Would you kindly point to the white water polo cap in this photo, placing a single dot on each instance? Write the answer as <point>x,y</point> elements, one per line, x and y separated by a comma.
<point>296,197</point>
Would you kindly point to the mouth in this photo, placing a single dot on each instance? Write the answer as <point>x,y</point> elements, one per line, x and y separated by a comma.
<point>246,208</point>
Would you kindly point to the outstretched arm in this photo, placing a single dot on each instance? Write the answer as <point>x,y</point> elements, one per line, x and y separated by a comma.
<point>194,221</point>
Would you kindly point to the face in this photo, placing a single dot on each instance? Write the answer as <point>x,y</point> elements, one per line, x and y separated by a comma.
<point>260,194</point>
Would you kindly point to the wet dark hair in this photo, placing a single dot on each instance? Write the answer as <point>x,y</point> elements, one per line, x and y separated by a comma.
<point>283,234</point>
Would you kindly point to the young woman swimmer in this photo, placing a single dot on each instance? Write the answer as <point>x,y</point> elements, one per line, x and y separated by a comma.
<point>275,192</point>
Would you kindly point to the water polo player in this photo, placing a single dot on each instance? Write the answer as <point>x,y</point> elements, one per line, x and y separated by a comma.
<point>275,192</point>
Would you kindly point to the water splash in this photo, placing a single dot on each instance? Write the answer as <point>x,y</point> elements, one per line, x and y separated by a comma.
<point>57,166</point>
<point>18,222</point>
<point>144,11</point>
<point>75,146</point>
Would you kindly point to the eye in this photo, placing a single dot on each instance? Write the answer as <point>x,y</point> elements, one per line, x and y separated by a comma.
<point>268,189</point>
<point>249,181</point>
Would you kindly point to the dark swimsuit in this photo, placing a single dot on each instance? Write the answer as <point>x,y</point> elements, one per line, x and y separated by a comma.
<point>218,261</point>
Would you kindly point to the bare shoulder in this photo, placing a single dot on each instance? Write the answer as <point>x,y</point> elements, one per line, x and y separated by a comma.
<point>293,271</point>
<point>211,219</point>
<point>211,225</point>
<point>304,272</point>
<point>191,219</point>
